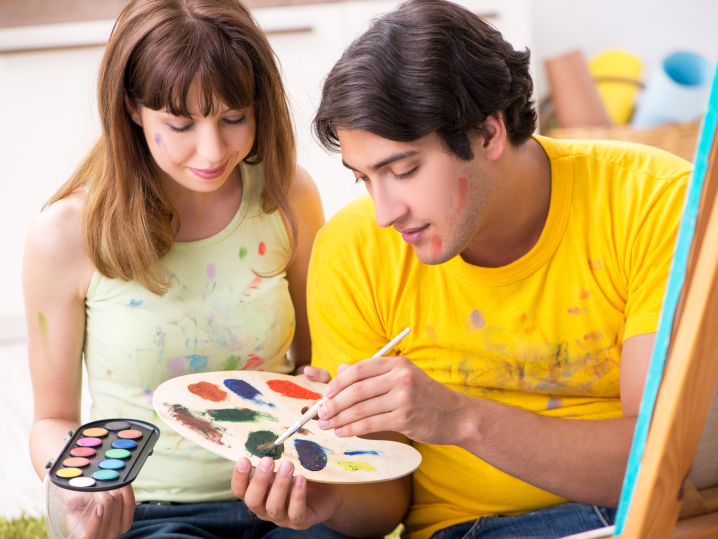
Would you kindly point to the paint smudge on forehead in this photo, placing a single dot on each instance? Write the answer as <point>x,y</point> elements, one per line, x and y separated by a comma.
<point>436,246</point>
<point>245,391</point>
<point>240,415</point>
<point>208,391</point>
<point>192,421</point>
<point>161,144</point>
<point>355,465</point>
<point>44,336</point>
<point>261,437</point>
<point>292,390</point>
<point>463,189</point>
<point>311,455</point>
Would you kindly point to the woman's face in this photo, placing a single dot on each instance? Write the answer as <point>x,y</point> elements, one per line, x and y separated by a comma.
<point>199,153</point>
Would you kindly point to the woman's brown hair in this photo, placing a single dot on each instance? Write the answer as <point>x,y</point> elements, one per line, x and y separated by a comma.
<point>157,49</point>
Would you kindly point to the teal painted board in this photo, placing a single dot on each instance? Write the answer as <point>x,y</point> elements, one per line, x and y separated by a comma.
<point>671,298</point>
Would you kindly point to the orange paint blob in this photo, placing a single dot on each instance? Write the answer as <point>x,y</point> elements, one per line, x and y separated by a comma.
<point>595,265</point>
<point>436,246</point>
<point>208,391</point>
<point>292,390</point>
<point>95,433</point>
<point>129,434</point>
<point>75,462</point>
<point>584,294</point>
<point>593,336</point>
<point>578,311</point>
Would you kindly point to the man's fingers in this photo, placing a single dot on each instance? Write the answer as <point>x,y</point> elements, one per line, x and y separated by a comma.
<point>367,368</point>
<point>276,503</point>
<point>240,477</point>
<point>369,425</point>
<point>297,510</point>
<point>368,408</point>
<point>358,392</point>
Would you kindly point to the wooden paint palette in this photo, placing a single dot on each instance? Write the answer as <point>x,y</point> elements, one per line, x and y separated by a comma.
<point>231,413</point>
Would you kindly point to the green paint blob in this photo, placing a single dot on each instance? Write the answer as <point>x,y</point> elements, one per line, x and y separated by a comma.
<point>242,253</point>
<point>117,454</point>
<point>230,364</point>
<point>44,336</point>
<point>260,437</point>
<point>356,465</point>
<point>240,415</point>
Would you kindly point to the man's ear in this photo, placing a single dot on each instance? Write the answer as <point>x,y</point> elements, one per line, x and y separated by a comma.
<point>133,110</point>
<point>494,136</point>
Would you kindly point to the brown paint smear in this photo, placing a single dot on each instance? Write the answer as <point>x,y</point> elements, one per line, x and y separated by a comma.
<point>208,392</point>
<point>202,427</point>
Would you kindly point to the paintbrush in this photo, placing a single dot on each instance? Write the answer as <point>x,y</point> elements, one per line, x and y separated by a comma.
<point>271,449</point>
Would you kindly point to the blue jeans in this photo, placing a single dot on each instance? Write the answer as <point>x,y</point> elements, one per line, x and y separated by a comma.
<point>215,520</point>
<point>548,523</point>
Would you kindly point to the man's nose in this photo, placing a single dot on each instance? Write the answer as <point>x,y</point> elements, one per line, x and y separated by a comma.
<point>388,205</point>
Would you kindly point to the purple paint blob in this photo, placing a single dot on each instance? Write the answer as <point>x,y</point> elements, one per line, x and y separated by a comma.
<point>176,367</point>
<point>210,271</point>
<point>246,391</point>
<point>311,455</point>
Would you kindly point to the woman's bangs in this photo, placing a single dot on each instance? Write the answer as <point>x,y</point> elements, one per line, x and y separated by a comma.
<point>224,75</point>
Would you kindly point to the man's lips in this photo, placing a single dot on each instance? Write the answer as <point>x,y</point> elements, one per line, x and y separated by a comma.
<point>413,235</point>
<point>208,174</point>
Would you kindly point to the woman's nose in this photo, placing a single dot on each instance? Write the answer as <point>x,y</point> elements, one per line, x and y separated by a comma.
<point>211,145</point>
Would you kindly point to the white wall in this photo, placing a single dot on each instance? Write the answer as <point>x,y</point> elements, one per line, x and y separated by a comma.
<point>651,29</point>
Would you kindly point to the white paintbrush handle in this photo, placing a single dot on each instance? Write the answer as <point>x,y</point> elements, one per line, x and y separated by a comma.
<point>315,408</point>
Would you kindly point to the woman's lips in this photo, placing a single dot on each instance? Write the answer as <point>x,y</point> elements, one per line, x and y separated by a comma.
<point>413,236</point>
<point>209,174</point>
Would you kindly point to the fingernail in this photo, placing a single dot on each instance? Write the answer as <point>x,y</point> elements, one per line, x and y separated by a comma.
<point>338,431</point>
<point>100,510</point>
<point>310,371</point>
<point>285,469</point>
<point>298,481</point>
<point>242,466</point>
<point>267,464</point>
<point>327,391</point>
<point>323,423</point>
<point>322,411</point>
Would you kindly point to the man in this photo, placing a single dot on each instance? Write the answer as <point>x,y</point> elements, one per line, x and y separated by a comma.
<point>530,270</point>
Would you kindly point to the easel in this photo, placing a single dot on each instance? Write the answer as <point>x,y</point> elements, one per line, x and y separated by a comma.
<point>683,374</point>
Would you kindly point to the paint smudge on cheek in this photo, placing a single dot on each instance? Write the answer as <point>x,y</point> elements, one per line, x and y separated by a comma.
<point>240,415</point>
<point>44,336</point>
<point>211,272</point>
<point>463,189</point>
<point>208,391</point>
<point>161,145</point>
<point>311,455</point>
<point>261,437</point>
<point>245,391</point>
<point>356,465</point>
<point>209,431</point>
<point>436,246</point>
<point>292,390</point>
<point>477,320</point>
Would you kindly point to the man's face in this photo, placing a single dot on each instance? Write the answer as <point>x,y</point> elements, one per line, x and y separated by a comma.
<point>435,200</point>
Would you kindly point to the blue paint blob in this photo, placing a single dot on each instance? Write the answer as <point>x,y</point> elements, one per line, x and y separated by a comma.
<point>135,303</point>
<point>111,464</point>
<point>361,453</point>
<point>311,455</point>
<point>124,444</point>
<point>105,475</point>
<point>197,363</point>
<point>246,391</point>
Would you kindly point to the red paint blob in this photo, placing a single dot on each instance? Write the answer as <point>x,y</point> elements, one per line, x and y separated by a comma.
<point>262,248</point>
<point>82,452</point>
<point>436,246</point>
<point>254,285</point>
<point>290,389</point>
<point>75,462</point>
<point>253,361</point>
<point>208,392</point>
<point>463,196</point>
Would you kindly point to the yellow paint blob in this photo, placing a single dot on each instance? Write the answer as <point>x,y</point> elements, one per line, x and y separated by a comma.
<point>356,465</point>
<point>68,472</point>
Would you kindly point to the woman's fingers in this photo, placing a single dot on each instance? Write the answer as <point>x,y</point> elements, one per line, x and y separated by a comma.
<point>94,523</point>
<point>128,508</point>
<point>317,375</point>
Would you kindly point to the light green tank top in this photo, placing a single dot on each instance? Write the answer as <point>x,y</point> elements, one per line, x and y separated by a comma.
<point>218,315</point>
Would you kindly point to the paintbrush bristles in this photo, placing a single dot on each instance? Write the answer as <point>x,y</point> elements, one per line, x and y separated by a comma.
<point>271,449</point>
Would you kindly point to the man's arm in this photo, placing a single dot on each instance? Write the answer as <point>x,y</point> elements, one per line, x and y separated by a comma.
<point>581,460</point>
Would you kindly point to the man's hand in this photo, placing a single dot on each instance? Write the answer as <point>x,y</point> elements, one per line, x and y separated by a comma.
<point>297,504</point>
<point>391,394</point>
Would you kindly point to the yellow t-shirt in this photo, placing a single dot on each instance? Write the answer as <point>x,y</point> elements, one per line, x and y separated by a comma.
<point>543,334</point>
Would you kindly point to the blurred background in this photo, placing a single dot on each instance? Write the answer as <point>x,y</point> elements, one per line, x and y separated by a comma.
<point>605,69</point>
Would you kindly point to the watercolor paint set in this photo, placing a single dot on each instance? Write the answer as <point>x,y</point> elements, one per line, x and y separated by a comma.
<point>104,455</point>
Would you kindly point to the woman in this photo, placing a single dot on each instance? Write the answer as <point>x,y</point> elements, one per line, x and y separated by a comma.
<point>179,245</point>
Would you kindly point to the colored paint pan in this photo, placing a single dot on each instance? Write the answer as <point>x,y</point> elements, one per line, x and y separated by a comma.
<point>118,454</point>
<point>124,444</point>
<point>104,461</point>
<point>83,452</point>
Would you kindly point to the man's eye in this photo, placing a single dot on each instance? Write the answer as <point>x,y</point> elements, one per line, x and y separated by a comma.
<point>361,179</point>
<point>406,174</point>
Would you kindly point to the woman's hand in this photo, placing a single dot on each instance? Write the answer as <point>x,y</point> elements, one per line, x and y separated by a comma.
<point>291,503</point>
<point>112,514</point>
<point>314,374</point>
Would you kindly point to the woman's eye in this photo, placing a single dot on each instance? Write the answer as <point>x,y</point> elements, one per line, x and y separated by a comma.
<point>235,122</point>
<point>179,129</point>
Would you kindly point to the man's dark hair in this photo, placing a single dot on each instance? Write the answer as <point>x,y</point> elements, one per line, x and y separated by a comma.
<point>427,66</point>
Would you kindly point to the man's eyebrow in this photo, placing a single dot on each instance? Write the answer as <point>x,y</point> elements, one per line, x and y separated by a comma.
<point>385,162</point>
